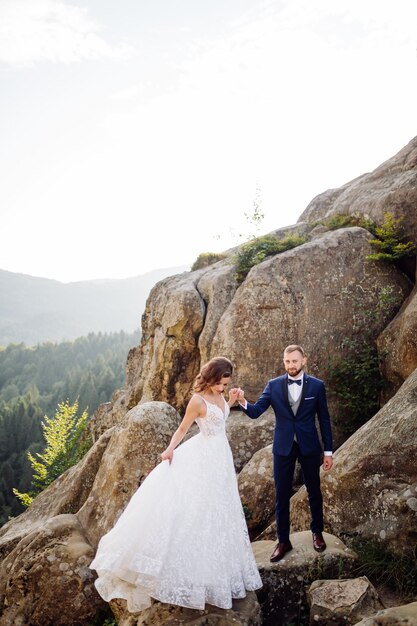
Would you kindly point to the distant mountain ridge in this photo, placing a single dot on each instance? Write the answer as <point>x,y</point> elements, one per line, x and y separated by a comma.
<point>34,310</point>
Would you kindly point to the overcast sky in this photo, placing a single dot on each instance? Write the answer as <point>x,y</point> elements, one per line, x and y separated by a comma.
<point>135,134</point>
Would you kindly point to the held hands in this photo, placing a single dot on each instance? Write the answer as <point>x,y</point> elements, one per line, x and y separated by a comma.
<point>236,394</point>
<point>233,395</point>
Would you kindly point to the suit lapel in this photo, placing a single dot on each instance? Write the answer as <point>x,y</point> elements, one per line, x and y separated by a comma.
<point>285,391</point>
<point>304,391</point>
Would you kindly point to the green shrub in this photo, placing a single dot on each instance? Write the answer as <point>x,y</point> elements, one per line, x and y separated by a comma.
<point>344,220</point>
<point>356,381</point>
<point>66,444</point>
<point>261,248</point>
<point>355,378</point>
<point>381,566</point>
<point>390,242</point>
<point>207,258</point>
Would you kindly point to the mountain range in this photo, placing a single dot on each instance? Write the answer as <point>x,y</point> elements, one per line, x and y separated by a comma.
<point>34,310</point>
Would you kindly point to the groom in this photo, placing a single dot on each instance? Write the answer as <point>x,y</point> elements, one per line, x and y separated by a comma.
<point>296,399</point>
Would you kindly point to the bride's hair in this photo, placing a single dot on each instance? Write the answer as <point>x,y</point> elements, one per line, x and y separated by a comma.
<point>212,372</point>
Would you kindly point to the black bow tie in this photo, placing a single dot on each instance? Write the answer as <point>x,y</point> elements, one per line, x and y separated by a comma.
<point>291,381</point>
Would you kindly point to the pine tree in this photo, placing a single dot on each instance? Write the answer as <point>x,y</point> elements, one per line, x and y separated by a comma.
<point>64,447</point>
<point>391,243</point>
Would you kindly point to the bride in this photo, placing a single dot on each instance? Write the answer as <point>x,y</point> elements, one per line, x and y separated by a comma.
<point>182,538</point>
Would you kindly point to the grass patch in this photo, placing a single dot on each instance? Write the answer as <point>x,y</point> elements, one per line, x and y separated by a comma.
<point>207,258</point>
<point>261,248</point>
<point>381,566</point>
<point>345,220</point>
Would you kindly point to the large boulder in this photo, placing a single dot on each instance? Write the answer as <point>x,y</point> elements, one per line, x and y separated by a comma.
<point>314,295</point>
<point>404,615</point>
<point>372,487</point>
<point>397,347</point>
<point>217,286</point>
<point>283,597</point>
<point>257,490</point>
<point>342,602</point>
<point>247,436</point>
<point>131,454</point>
<point>180,319</point>
<point>168,357</point>
<point>194,316</point>
<point>391,187</point>
<point>45,580</point>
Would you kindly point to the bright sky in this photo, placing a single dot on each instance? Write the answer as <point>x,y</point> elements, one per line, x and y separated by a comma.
<point>134,134</point>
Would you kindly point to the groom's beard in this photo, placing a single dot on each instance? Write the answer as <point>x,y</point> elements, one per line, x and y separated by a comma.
<point>293,371</point>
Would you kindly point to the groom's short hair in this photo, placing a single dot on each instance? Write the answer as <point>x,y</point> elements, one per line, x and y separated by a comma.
<point>293,347</point>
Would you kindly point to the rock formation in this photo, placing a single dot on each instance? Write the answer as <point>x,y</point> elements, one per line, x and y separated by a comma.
<point>283,597</point>
<point>405,615</point>
<point>397,346</point>
<point>257,490</point>
<point>391,187</point>
<point>314,295</point>
<point>342,602</point>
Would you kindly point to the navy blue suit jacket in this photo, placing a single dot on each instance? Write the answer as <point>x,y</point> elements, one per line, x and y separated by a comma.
<point>303,424</point>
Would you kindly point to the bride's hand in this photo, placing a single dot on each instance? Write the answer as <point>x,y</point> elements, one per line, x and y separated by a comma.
<point>233,395</point>
<point>167,454</point>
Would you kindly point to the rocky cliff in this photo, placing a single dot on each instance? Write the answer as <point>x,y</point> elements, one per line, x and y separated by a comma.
<point>313,294</point>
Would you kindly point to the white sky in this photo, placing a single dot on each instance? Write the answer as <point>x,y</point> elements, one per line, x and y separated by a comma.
<point>135,132</point>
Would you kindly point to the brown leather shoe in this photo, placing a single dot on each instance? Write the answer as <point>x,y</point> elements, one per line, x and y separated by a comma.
<point>280,551</point>
<point>318,542</point>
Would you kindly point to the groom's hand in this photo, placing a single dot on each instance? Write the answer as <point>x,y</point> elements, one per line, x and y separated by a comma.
<point>241,397</point>
<point>233,395</point>
<point>327,462</point>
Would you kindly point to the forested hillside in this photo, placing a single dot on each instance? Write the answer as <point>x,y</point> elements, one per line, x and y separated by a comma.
<point>32,383</point>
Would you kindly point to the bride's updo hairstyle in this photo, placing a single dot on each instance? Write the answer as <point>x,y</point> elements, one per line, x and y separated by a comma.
<point>212,372</point>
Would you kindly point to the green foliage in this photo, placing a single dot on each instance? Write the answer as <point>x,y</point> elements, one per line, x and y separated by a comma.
<point>248,513</point>
<point>391,243</point>
<point>33,381</point>
<point>344,220</point>
<point>381,566</point>
<point>355,378</point>
<point>207,258</point>
<point>64,448</point>
<point>357,382</point>
<point>259,249</point>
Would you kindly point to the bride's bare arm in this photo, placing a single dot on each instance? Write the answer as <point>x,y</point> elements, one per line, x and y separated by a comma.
<point>195,408</point>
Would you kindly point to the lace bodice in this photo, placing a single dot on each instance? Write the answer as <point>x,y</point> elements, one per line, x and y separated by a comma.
<point>215,421</point>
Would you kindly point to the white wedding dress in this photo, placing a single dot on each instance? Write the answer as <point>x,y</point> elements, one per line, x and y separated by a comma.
<point>182,538</point>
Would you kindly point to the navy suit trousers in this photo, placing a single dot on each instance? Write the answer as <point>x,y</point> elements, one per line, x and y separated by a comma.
<point>284,467</point>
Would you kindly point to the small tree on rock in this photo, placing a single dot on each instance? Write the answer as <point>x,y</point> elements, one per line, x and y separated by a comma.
<point>65,446</point>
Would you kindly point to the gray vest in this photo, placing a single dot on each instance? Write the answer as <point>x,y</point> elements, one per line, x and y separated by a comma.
<point>294,407</point>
